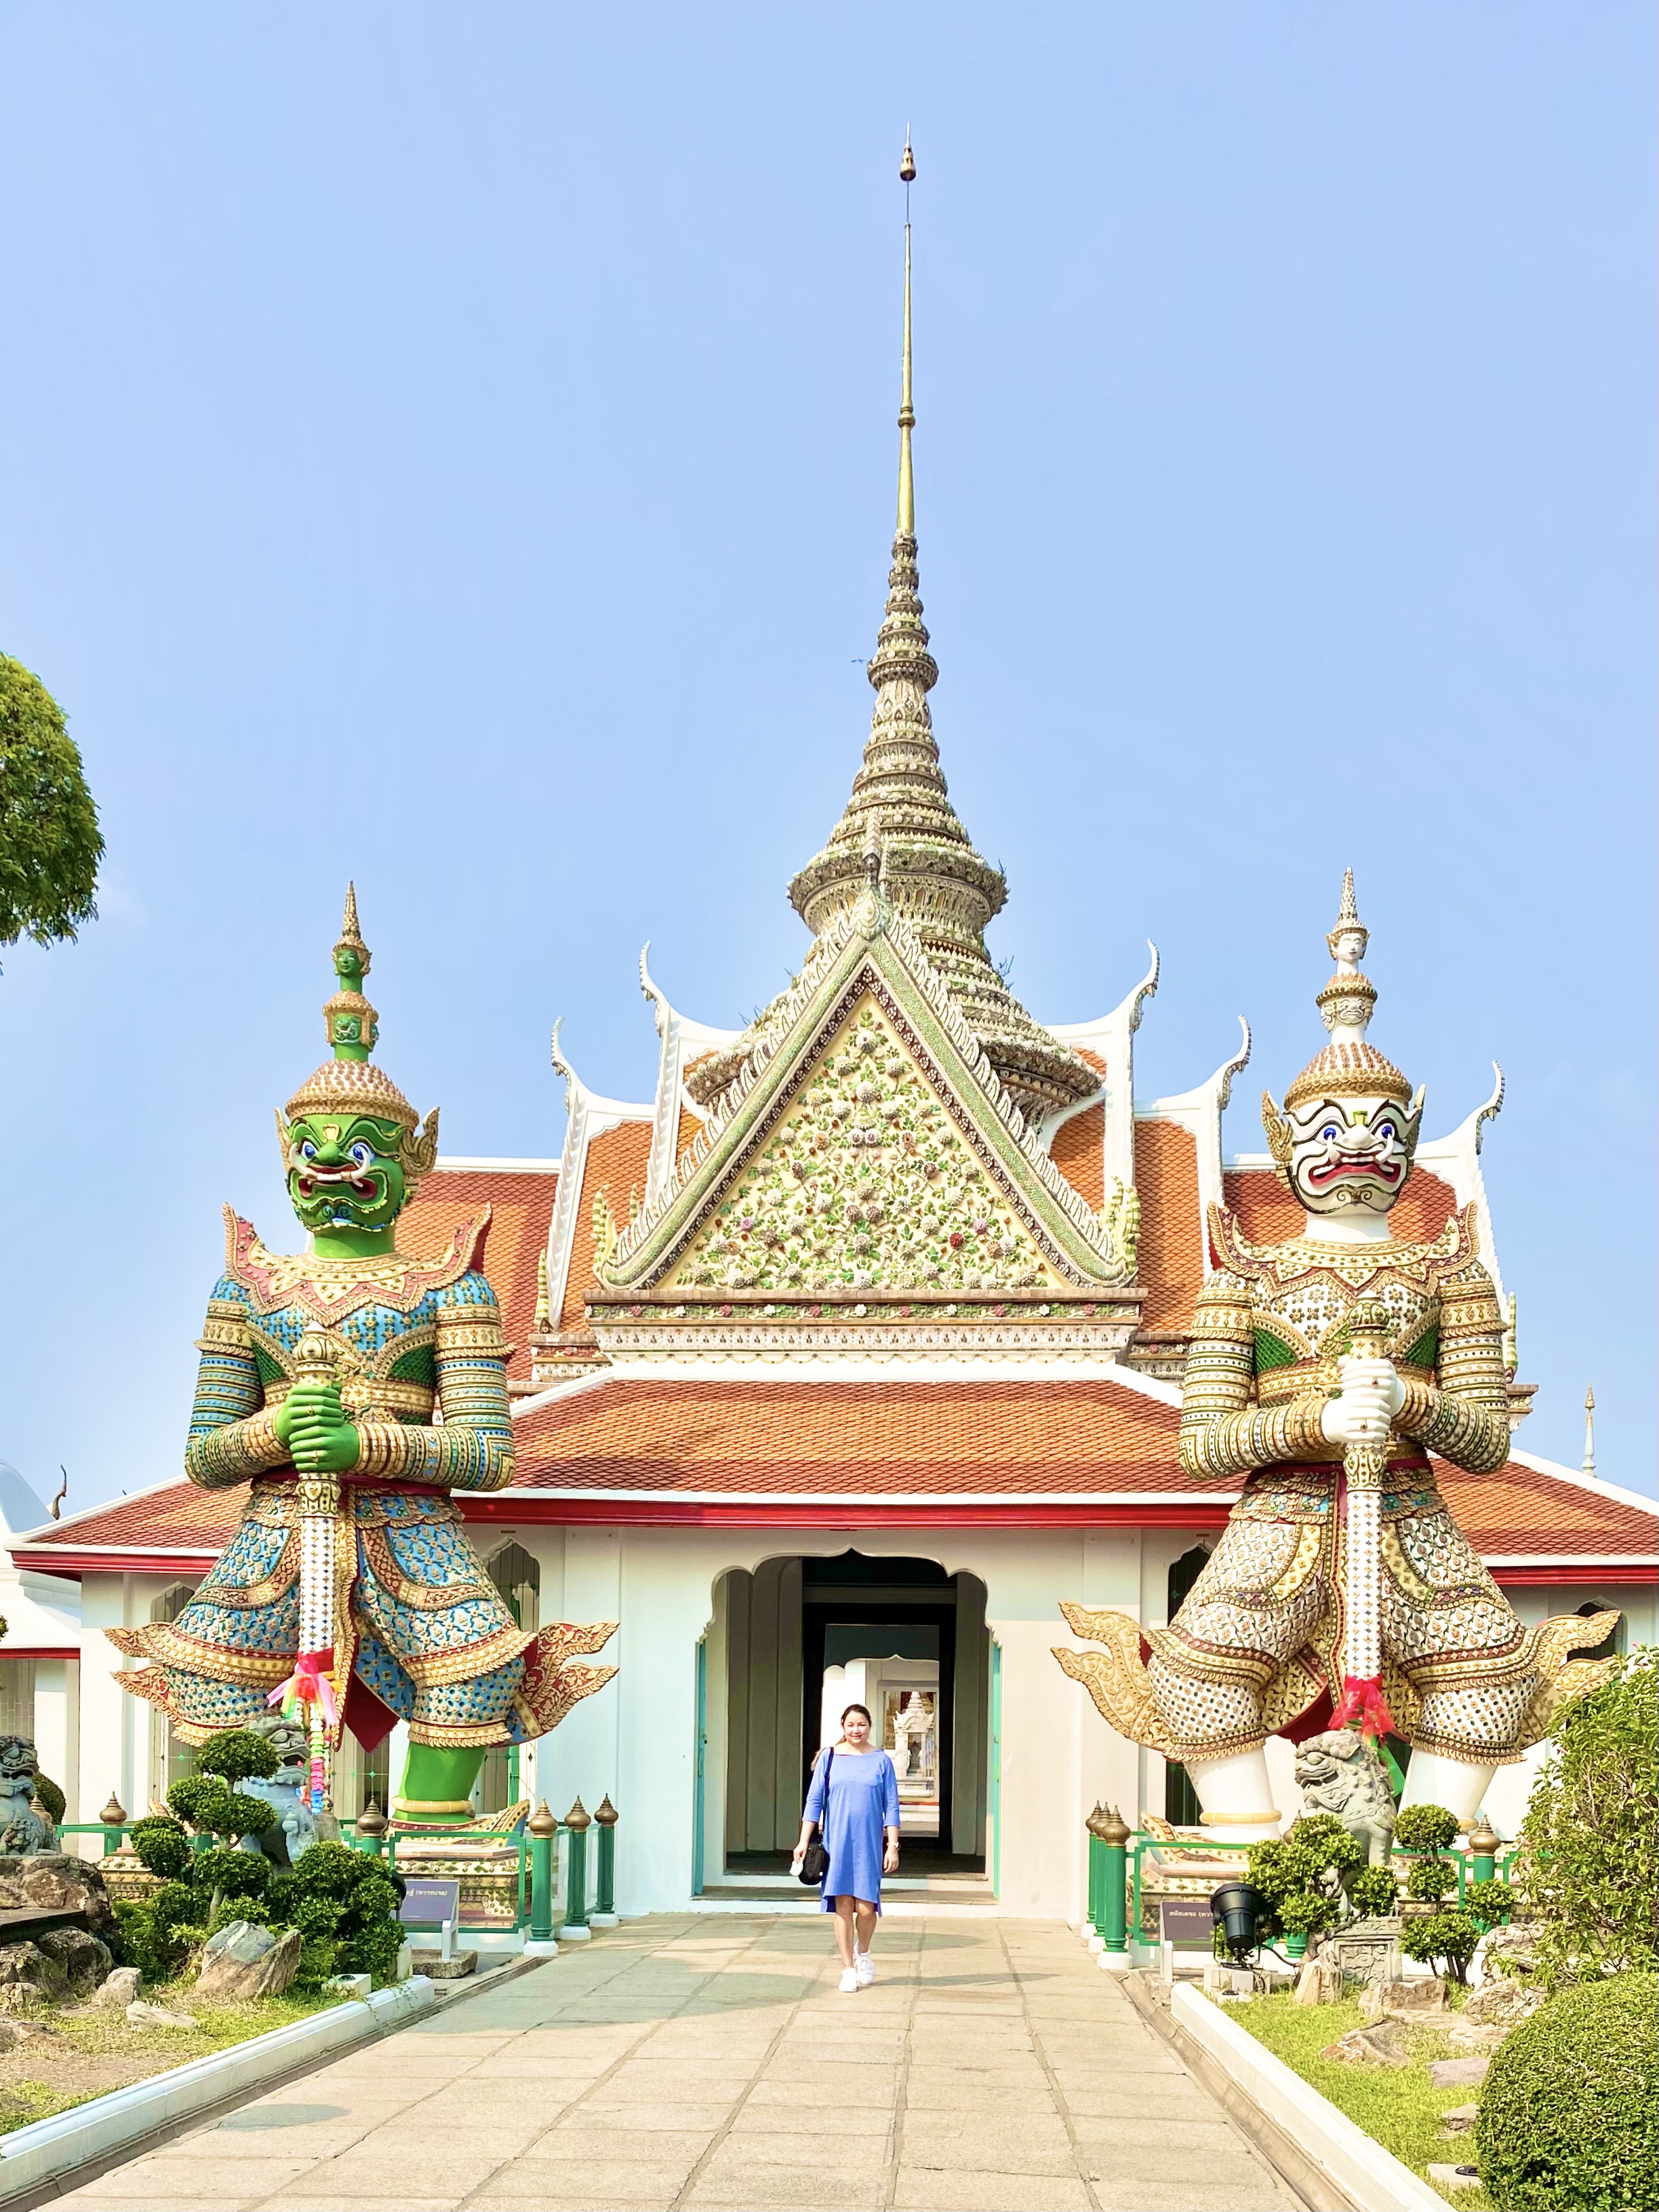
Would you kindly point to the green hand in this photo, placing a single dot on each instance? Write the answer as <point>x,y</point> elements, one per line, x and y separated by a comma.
<point>311,1423</point>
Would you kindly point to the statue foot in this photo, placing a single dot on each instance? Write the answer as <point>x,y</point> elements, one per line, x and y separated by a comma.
<point>1235,1795</point>
<point>437,1785</point>
<point>1432,1779</point>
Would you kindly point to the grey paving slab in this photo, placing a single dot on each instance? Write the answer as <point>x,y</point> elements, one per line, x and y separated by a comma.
<point>992,2068</point>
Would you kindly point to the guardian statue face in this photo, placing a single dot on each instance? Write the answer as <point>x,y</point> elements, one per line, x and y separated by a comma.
<point>1347,1152</point>
<point>345,1172</point>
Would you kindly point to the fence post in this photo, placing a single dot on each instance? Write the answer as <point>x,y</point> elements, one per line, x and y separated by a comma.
<point>1113,1841</point>
<point>543,1831</point>
<point>369,1835</point>
<point>604,1876</point>
<point>578,1820</point>
<point>1091,1909</point>
<point>1484,1840</point>
<point>114,1818</point>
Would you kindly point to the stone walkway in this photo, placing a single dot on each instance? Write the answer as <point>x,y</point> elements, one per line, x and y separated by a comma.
<point>707,2060</point>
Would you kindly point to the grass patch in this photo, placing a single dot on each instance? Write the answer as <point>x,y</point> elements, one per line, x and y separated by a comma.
<point>1397,2106</point>
<point>90,2051</point>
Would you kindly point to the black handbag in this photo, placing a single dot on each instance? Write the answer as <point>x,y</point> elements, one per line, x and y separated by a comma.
<point>816,1864</point>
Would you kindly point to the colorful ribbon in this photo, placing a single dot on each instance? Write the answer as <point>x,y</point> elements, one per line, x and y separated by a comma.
<point>309,1684</point>
<point>1363,1700</point>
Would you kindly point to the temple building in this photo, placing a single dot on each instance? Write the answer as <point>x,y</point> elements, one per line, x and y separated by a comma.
<point>838,1362</point>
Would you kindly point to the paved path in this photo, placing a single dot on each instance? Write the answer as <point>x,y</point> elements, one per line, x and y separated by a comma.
<point>706,2061</point>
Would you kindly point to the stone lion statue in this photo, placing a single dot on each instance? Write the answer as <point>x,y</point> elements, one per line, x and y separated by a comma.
<point>24,1828</point>
<point>1338,1772</point>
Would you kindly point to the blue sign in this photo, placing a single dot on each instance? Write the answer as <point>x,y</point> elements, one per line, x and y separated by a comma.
<point>429,1904</point>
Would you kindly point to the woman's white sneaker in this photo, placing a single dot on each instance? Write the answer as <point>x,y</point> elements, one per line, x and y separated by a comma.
<point>849,1980</point>
<point>864,1968</point>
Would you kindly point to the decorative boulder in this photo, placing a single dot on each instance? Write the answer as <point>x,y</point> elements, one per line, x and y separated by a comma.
<point>1503,2004</point>
<point>1381,2045</point>
<point>84,1960</point>
<point>1419,2000</point>
<point>154,2015</point>
<point>29,1976</point>
<point>244,1960</point>
<point>56,1882</point>
<point>118,1988</point>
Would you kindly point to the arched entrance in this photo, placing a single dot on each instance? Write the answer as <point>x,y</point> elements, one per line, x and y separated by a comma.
<point>802,1637</point>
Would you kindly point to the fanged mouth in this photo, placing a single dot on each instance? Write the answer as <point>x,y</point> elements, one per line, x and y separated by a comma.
<point>1335,1170</point>
<point>364,1186</point>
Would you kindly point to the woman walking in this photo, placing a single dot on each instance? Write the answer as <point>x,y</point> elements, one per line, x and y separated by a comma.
<point>853,1797</point>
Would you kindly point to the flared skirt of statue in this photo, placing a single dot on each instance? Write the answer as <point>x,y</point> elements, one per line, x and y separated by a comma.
<point>422,1632</point>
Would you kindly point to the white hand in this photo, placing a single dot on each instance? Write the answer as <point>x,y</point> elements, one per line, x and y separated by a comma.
<point>1359,1372</point>
<point>1361,1415</point>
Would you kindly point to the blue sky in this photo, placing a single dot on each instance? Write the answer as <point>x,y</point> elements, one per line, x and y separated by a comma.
<point>454,448</point>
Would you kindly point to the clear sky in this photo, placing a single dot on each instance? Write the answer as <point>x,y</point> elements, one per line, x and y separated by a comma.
<point>454,447</point>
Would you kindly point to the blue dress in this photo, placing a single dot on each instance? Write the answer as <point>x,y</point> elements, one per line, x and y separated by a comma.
<point>863,1800</point>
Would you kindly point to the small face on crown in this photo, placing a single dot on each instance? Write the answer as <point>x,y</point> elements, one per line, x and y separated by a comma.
<point>1348,946</point>
<point>345,1171</point>
<point>1349,1152</point>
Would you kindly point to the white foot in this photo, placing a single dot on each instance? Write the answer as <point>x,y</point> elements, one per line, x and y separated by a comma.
<point>1237,1796</point>
<point>864,1968</point>
<point>849,1981</point>
<point>1433,1779</point>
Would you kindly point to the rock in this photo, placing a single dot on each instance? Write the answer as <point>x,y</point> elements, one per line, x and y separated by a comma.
<point>437,1968</point>
<point>57,1883</point>
<point>16,2032</point>
<point>154,2015</point>
<point>29,1976</point>
<point>244,1961</point>
<point>1457,2073</point>
<point>84,1960</point>
<point>1503,2004</point>
<point>1455,2177</point>
<point>1479,2035</point>
<point>119,1987</point>
<point>1382,2045</point>
<point>1460,2120</point>
<point>1403,1999</point>
<point>1319,1982</point>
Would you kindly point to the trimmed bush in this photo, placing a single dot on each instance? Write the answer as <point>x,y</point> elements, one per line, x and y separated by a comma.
<point>1590,1869</point>
<point>1424,1828</point>
<point>1567,2111</point>
<point>1446,1940</point>
<point>1374,1891</point>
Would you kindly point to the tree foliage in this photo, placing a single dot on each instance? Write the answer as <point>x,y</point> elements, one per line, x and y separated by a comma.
<point>1570,2110</point>
<point>50,841</point>
<point>1590,1870</point>
<point>1443,1939</point>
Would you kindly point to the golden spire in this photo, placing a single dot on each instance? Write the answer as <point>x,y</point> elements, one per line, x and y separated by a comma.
<point>907,489</point>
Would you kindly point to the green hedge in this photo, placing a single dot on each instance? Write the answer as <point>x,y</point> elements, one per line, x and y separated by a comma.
<point>1568,2112</point>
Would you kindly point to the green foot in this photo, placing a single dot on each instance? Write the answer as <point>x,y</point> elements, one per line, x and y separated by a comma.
<point>437,1785</point>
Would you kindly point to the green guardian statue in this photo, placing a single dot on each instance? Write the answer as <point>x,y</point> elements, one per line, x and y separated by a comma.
<point>353,1389</point>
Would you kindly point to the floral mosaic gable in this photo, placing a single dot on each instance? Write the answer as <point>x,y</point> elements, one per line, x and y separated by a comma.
<point>867,1185</point>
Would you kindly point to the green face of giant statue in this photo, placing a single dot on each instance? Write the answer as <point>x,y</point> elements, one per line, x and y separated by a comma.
<point>345,1173</point>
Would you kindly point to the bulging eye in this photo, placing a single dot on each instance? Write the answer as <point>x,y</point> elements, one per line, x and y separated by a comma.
<point>307,1150</point>
<point>1330,1133</point>
<point>1385,1129</point>
<point>361,1154</point>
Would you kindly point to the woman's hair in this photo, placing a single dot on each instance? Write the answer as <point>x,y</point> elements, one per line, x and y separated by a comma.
<point>865,1709</point>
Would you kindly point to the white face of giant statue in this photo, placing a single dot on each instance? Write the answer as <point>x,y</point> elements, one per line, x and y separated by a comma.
<point>1349,1152</point>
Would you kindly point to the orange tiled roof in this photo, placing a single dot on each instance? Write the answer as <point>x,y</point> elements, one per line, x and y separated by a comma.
<point>926,1439</point>
<point>521,1209</point>
<point>1171,1262</point>
<point>1077,1152</point>
<point>616,1164</point>
<point>695,1433</point>
<point>1267,1213</point>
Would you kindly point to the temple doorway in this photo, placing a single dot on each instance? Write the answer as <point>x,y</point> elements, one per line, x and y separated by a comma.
<point>802,1639</point>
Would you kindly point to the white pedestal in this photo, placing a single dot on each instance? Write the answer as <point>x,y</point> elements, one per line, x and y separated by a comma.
<point>574,1934</point>
<point>601,1919</point>
<point>534,1950</point>
<point>1115,1962</point>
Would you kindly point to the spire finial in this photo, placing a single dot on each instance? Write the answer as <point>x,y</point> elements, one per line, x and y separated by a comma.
<point>353,1024</point>
<point>1348,925</point>
<point>1589,1431</point>
<point>907,489</point>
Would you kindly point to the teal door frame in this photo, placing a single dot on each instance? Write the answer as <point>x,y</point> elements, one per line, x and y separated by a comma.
<point>699,1767</point>
<point>996,1768</point>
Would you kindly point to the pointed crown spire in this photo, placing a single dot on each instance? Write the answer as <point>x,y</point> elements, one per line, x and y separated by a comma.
<point>933,877</point>
<point>351,1084</point>
<point>1348,1064</point>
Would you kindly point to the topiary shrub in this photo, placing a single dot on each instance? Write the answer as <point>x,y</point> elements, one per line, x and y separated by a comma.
<point>1424,1828</point>
<point>1490,1902</point>
<point>1427,1880</point>
<point>1568,2110</point>
<point>1590,1869</point>
<point>233,1754</point>
<point>1443,1939</point>
<point>344,1904</point>
<point>1374,1891</point>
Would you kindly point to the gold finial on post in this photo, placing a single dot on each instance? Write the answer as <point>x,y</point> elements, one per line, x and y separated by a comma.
<point>1589,1431</point>
<point>906,490</point>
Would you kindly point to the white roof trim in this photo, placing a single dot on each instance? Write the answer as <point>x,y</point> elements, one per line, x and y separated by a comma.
<point>457,1164</point>
<point>919,1498</point>
<point>852,1370</point>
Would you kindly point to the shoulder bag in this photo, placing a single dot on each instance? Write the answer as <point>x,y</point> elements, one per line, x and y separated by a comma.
<point>815,1864</point>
